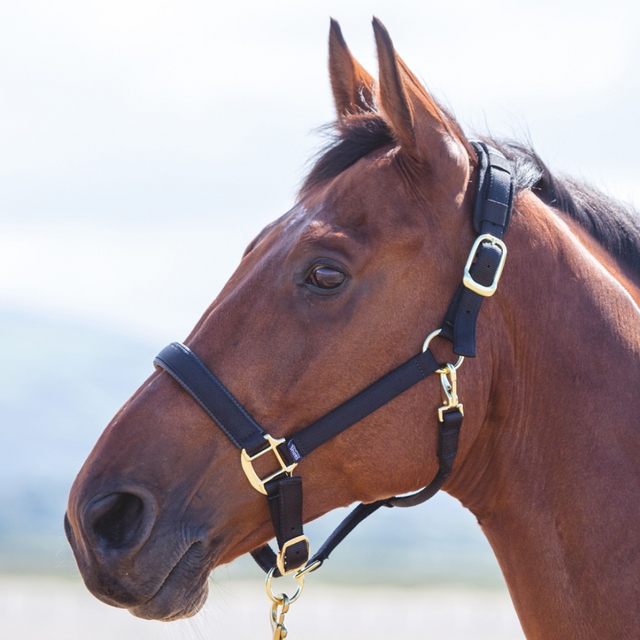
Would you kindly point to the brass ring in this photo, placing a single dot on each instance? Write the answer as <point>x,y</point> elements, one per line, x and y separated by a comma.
<point>279,598</point>
<point>303,571</point>
<point>425,346</point>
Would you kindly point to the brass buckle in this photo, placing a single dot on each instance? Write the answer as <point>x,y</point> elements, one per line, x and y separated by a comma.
<point>247,464</point>
<point>449,381</point>
<point>283,551</point>
<point>469,282</point>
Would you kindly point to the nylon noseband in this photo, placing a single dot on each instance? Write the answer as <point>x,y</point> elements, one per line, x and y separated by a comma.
<point>492,212</point>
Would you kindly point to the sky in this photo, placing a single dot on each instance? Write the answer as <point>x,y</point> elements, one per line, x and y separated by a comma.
<point>144,144</point>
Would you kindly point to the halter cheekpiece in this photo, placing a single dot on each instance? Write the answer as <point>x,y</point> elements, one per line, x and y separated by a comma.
<point>492,212</point>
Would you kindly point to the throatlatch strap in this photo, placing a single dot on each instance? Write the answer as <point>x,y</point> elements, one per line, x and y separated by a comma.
<point>448,434</point>
<point>360,513</point>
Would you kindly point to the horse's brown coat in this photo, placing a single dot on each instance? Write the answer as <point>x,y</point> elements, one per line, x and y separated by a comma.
<point>550,447</point>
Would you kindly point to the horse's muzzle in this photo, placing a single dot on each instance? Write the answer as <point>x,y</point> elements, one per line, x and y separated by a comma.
<point>127,559</point>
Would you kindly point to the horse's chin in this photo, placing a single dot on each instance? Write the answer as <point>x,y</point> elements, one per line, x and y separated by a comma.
<point>181,595</point>
<point>172,603</point>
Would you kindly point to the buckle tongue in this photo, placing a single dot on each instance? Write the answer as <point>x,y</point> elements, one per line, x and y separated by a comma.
<point>247,464</point>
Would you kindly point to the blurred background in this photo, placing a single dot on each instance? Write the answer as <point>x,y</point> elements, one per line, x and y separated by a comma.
<point>143,145</point>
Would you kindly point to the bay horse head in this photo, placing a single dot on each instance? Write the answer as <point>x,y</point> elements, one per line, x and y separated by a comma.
<point>329,298</point>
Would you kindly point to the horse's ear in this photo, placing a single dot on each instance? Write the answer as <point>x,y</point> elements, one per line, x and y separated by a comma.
<point>351,84</point>
<point>423,130</point>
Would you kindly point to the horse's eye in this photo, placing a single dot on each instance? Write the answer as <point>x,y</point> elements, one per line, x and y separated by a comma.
<point>325,277</point>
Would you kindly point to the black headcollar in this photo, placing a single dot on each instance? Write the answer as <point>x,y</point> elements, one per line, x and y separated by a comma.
<point>492,212</point>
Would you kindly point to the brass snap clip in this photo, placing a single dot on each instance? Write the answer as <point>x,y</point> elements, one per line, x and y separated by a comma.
<point>449,382</point>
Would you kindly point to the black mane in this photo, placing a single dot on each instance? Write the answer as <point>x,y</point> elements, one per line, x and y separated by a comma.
<point>615,225</point>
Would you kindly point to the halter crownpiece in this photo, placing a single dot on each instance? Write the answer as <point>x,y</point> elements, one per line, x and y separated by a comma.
<point>492,213</point>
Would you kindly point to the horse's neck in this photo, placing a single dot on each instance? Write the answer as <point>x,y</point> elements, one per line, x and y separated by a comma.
<point>554,474</point>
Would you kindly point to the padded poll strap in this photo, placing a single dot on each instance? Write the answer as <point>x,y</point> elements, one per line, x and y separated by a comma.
<point>494,193</point>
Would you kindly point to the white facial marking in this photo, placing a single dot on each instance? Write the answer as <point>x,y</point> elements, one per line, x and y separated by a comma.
<point>297,213</point>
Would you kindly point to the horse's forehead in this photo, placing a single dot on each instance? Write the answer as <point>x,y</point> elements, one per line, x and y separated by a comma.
<point>296,216</point>
<point>308,225</point>
<point>335,207</point>
<point>348,197</point>
<point>349,206</point>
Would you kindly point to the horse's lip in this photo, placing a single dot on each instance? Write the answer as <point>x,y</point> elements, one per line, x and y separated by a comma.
<point>182,593</point>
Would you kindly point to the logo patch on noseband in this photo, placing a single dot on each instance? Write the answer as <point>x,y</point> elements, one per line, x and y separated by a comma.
<point>295,454</point>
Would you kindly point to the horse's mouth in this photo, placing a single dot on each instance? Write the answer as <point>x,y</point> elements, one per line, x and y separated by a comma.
<point>183,592</point>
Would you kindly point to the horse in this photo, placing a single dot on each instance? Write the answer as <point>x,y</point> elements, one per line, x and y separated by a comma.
<point>340,291</point>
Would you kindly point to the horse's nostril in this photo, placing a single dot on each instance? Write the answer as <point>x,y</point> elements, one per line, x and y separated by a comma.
<point>116,521</point>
